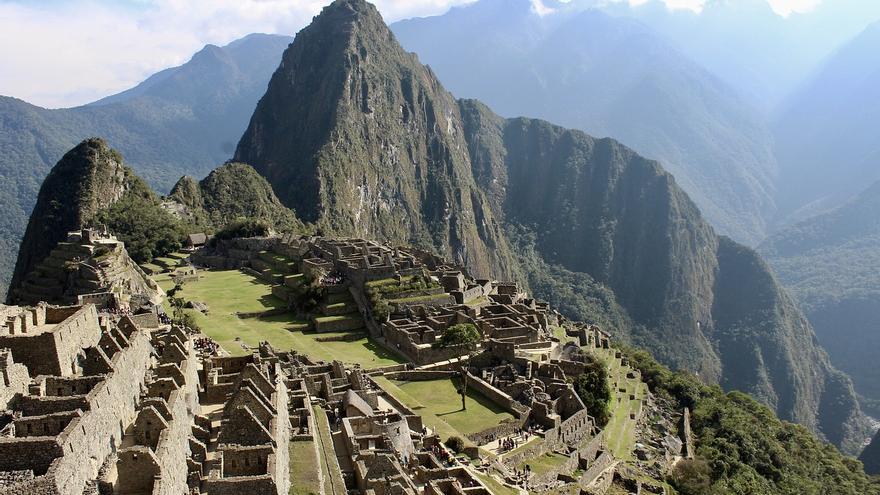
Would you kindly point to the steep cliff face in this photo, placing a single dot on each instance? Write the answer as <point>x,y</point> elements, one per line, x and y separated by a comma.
<point>231,192</point>
<point>697,300</point>
<point>355,135</point>
<point>88,178</point>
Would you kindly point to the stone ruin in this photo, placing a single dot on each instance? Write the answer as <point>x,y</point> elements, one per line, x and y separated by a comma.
<point>90,266</point>
<point>108,403</point>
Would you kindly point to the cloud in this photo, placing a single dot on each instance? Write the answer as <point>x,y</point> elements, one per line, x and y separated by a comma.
<point>65,53</point>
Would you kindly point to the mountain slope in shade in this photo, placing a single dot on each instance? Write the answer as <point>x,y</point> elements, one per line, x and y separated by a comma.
<point>182,120</point>
<point>354,134</point>
<point>831,264</point>
<point>870,457</point>
<point>610,76</point>
<point>827,135</point>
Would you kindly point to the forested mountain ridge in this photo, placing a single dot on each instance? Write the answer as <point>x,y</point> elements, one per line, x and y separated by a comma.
<point>829,263</point>
<point>183,120</point>
<point>357,136</point>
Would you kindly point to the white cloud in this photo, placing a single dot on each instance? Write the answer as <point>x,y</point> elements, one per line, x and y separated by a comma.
<point>786,7</point>
<point>781,7</point>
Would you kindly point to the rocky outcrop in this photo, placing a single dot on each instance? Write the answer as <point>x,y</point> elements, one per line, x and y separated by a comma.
<point>870,457</point>
<point>356,135</point>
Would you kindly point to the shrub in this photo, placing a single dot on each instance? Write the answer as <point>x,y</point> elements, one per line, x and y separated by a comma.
<point>242,228</point>
<point>464,334</point>
<point>456,444</point>
<point>593,389</point>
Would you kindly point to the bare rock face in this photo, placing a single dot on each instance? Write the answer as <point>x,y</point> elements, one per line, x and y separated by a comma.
<point>88,178</point>
<point>357,136</point>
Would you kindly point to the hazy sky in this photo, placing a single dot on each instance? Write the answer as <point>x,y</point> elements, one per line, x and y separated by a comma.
<point>60,53</point>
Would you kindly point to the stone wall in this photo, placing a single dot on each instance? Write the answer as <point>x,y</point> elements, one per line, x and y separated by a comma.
<point>112,406</point>
<point>503,400</point>
<point>54,350</point>
<point>14,378</point>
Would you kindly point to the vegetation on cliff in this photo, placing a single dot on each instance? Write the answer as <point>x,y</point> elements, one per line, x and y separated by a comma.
<point>830,264</point>
<point>742,448</point>
<point>138,219</point>
<point>230,193</point>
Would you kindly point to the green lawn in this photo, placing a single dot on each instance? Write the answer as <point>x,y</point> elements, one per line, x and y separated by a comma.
<point>231,292</point>
<point>545,463</point>
<point>304,477</point>
<point>440,406</point>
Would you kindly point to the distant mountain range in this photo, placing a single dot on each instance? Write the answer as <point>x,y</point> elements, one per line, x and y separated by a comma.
<point>610,76</point>
<point>184,120</point>
<point>828,140</point>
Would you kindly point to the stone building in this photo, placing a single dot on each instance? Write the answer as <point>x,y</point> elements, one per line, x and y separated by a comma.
<point>88,374</point>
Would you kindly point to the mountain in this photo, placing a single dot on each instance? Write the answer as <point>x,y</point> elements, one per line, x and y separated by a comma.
<point>355,135</point>
<point>828,140</point>
<point>231,192</point>
<point>870,457</point>
<point>610,76</point>
<point>181,120</point>
<point>88,178</point>
<point>87,188</point>
<point>831,264</point>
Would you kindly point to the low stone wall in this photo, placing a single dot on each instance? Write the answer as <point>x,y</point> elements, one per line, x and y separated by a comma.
<point>401,307</point>
<point>349,337</point>
<point>338,325</point>
<point>505,429</point>
<point>547,480</point>
<point>604,462</point>
<point>420,376</point>
<point>503,400</point>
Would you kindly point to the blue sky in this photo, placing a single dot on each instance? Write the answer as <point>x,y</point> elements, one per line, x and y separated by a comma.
<point>60,53</point>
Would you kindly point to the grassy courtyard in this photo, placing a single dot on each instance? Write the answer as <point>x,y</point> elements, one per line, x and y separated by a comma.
<point>230,292</point>
<point>439,404</point>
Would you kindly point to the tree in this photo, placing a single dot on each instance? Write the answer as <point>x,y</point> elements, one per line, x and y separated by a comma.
<point>466,336</point>
<point>593,389</point>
